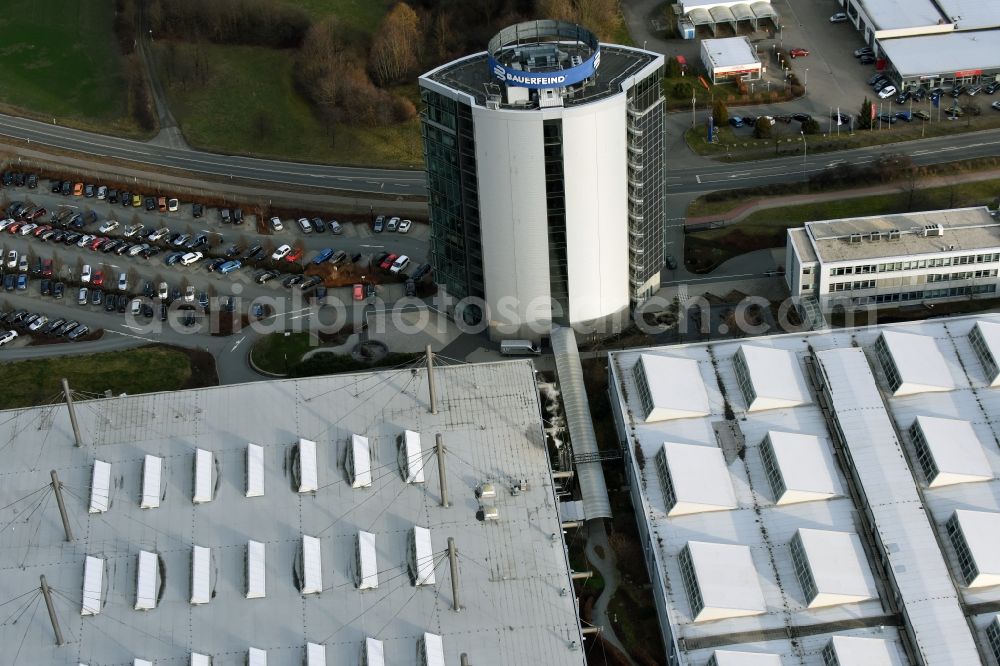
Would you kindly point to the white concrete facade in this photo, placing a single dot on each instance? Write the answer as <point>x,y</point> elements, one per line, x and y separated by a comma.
<point>730,58</point>
<point>861,264</point>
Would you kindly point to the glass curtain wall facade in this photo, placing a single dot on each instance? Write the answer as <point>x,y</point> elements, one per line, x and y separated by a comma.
<point>646,184</point>
<point>456,252</point>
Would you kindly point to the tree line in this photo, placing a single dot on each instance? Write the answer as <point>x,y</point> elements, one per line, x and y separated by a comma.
<point>347,75</point>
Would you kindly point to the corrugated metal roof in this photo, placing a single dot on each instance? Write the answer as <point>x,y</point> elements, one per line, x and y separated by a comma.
<point>511,570</point>
<point>593,488</point>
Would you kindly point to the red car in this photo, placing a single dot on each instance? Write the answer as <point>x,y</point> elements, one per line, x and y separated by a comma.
<point>14,227</point>
<point>41,230</point>
<point>37,213</point>
<point>98,278</point>
<point>798,53</point>
<point>387,262</point>
<point>359,292</point>
<point>293,256</point>
<point>46,268</point>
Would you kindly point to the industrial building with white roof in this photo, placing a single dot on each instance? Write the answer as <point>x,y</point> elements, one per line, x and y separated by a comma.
<point>865,519</point>
<point>293,522</point>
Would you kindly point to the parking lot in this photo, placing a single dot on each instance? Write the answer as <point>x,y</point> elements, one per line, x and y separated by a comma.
<point>194,294</point>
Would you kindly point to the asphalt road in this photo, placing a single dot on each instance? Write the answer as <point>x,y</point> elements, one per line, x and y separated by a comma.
<point>373,181</point>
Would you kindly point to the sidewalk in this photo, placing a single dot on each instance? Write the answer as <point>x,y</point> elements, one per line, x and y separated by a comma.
<point>746,208</point>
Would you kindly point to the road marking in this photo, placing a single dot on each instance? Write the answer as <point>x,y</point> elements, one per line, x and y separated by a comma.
<point>698,178</point>
<point>238,343</point>
<point>134,328</point>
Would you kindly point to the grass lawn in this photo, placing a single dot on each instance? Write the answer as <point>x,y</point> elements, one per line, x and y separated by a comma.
<point>143,370</point>
<point>363,15</point>
<point>60,60</point>
<point>270,352</point>
<point>705,250</point>
<point>248,105</point>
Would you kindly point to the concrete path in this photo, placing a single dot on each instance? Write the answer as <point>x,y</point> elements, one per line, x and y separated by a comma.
<point>608,568</point>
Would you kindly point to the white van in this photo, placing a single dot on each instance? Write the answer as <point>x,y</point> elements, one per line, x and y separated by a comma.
<point>519,347</point>
<point>399,264</point>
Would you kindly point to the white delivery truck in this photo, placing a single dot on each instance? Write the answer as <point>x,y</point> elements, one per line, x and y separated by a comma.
<point>518,347</point>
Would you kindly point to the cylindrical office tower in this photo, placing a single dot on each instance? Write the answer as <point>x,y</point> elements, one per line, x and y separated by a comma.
<point>545,174</point>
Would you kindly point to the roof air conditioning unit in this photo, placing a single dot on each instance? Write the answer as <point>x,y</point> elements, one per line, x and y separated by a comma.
<point>487,513</point>
<point>855,238</point>
<point>486,491</point>
<point>894,234</point>
<point>934,230</point>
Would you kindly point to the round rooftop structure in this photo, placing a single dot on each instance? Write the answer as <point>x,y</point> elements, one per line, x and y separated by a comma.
<point>544,54</point>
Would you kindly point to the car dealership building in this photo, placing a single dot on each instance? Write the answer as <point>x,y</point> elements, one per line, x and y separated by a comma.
<point>927,43</point>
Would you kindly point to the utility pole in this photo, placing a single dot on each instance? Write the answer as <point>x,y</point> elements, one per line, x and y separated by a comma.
<point>47,594</point>
<point>430,380</point>
<point>72,412</point>
<point>692,107</point>
<point>57,487</point>
<point>453,562</point>
<point>439,441</point>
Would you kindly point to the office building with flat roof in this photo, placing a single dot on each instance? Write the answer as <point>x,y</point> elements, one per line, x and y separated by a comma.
<point>545,168</point>
<point>925,257</point>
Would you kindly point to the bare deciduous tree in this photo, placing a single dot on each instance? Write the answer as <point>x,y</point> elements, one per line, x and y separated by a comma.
<point>396,47</point>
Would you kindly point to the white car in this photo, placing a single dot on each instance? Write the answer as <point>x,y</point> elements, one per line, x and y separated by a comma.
<point>404,226</point>
<point>335,227</point>
<point>6,223</point>
<point>164,291</point>
<point>7,336</point>
<point>133,230</point>
<point>276,224</point>
<point>172,205</point>
<point>839,17</point>
<point>189,294</point>
<point>12,259</point>
<point>83,296</point>
<point>102,192</point>
<point>888,91</point>
<point>136,250</point>
<point>191,257</point>
<point>108,226</point>
<point>122,282</point>
<point>86,273</point>
<point>136,306</point>
<point>281,252</point>
<point>158,234</point>
<point>399,264</point>
<point>27,229</point>
<point>84,240</point>
<point>38,323</point>
<point>22,264</point>
<point>392,224</point>
<point>305,225</point>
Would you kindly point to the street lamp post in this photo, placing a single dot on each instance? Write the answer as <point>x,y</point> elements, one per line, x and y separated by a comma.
<point>805,81</point>
<point>805,147</point>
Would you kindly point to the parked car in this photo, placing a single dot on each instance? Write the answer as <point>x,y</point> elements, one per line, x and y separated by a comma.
<point>839,17</point>
<point>225,216</point>
<point>294,256</point>
<point>191,258</point>
<point>78,332</point>
<point>276,224</point>
<point>736,121</point>
<point>172,205</point>
<point>798,53</point>
<point>281,252</point>
<point>335,227</point>
<point>319,225</point>
<point>358,291</point>
<point>404,226</point>
<point>237,216</point>
<point>905,116</point>
<point>323,255</point>
<point>38,323</point>
<point>992,88</point>
<point>108,227</point>
<point>265,276</point>
<point>887,118</point>
<point>230,266</point>
<point>867,59</point>
<point>197,210</point>
<point>386,263</point>
<point>863,51</point>
<point>7,337</point>
<point>995,106</point>
<point>887,92</point>
<point>304,225</point>
<point>379,225</point>
<point>923,115</point>
<point>122,282</point>
<point>22,282</point>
